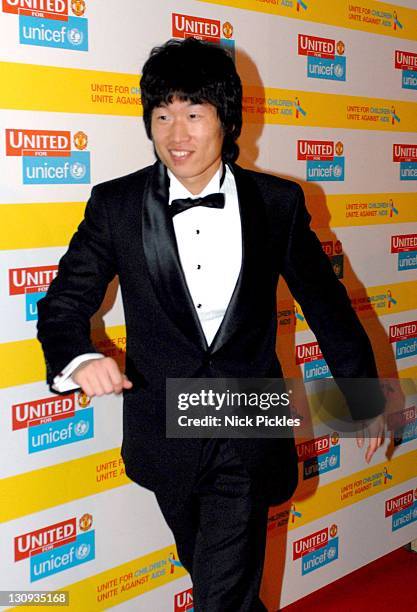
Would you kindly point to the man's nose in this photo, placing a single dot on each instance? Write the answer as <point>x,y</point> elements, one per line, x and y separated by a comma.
<point>179,131</point>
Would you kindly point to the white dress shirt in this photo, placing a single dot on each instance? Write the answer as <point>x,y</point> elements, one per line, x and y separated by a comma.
<point>209,244</point>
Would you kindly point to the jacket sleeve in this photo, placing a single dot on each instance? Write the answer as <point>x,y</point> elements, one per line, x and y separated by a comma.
<point>78,289</point>
<point>330,315</point>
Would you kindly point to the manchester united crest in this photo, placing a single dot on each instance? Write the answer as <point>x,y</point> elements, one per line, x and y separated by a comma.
<point>340,47</point>
<point>227,29</point>
<point>80,141</point>
<point>83,399</point>
<point>85,522</point>
<point>339,148</point>
<point>78,7</point>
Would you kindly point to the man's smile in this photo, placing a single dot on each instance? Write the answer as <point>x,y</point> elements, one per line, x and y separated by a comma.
<point>177,154</point>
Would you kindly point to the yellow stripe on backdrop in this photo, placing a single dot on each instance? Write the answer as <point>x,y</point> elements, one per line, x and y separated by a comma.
<point>73,91</point>
<point>354,209</point>
<point>410,373</point>
<point>321,406</point>
<point>68,90</point>
<point>51,224</point>
<point>22,362</point>
<point>368,301</point>
<point>123,582</point>
<point>311,503</point>
<point>79,478</point>
<point>39,225</point>
<point>366,15</point>
<point>309,108</point>
<point>61,483</point>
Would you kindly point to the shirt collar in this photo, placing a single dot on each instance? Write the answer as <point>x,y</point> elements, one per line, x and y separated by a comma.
<point>177,189</point>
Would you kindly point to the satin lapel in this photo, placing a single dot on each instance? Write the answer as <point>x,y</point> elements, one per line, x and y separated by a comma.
<point>254,258</point>
<point>161,253</point>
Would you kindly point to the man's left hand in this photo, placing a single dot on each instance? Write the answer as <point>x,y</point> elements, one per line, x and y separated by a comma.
<point>375,431</point>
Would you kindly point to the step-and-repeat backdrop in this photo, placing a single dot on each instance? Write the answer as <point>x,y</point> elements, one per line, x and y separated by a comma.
<point>329,101</point>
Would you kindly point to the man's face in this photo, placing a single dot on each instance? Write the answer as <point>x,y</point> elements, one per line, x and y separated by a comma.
<point>188,139</point>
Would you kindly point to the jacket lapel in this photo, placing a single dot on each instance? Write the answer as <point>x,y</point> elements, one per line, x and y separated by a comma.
<point>162,258</point>
<point>255,260</point>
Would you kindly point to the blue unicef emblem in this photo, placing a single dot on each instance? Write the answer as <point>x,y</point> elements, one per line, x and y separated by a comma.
<point>338,171</point>
<point>78,170</point>
<point>81,428</point>
<point>82,551</point>
<point>339,71</point>
<point>332,552</point>
<point>75,37</point>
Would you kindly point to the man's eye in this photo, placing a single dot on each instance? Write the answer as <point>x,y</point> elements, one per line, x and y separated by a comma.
<point>162,117</point>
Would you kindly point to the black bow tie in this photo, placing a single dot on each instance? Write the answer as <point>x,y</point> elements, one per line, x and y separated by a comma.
<point>213,200</point>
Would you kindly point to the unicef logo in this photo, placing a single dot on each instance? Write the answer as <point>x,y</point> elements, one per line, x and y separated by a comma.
<point>75,37</point>
<point>332,552</point>
<point>339,71</point>
<point>338,171</point>
<point>81,428</point>
<point>414,513</point>
<point>333,460</point>
<point>78,170</point>
<point>82,551</point>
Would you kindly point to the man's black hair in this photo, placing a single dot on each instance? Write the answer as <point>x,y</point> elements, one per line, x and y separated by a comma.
<point>197,71</point>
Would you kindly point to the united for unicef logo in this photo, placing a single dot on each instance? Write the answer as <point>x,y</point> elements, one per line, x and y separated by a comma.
<point>47,155</point>
<point>325,159</point>
<point>78,170</point>
<point>325,57</point>
<point>49,23</point>
<point>75,37</point>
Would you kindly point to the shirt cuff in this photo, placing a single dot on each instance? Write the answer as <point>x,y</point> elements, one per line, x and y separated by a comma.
<point>63,381</point>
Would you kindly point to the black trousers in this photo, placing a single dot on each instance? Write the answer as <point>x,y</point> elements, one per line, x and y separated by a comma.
<point>220,532</point>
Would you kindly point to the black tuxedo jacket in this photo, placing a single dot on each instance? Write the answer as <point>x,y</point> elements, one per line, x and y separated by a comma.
<point>127,231</point>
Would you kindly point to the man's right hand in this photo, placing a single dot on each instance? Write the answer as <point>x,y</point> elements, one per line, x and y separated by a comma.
<point>100,377</point>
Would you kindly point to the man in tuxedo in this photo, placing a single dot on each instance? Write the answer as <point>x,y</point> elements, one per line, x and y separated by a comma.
<point>198,244</point>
